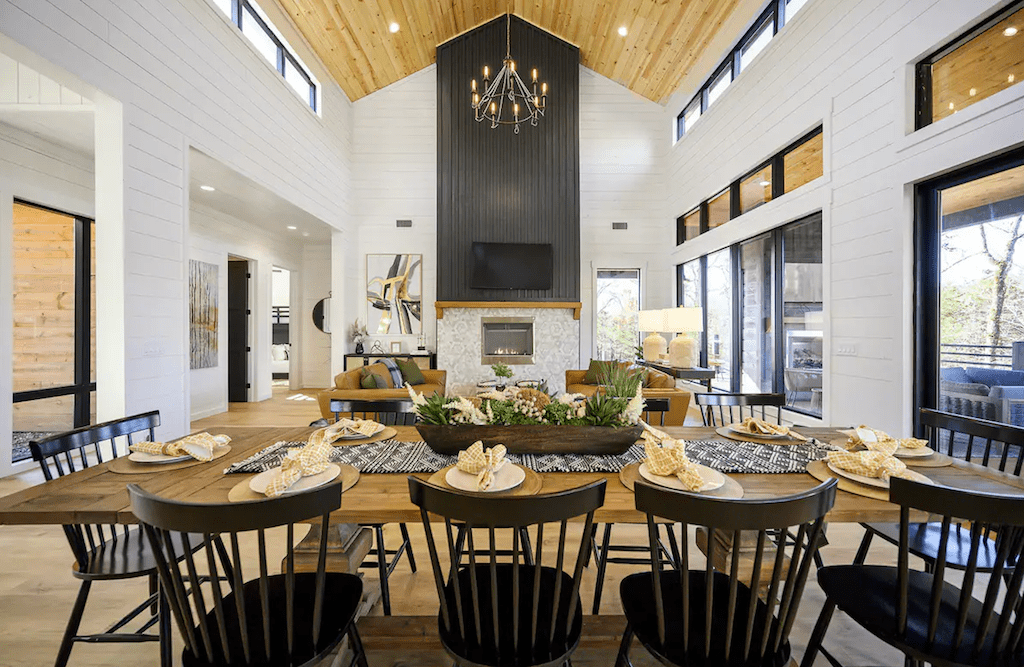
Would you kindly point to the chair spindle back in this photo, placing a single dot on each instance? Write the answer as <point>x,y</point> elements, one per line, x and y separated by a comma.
<point>722,409</point>
<point>991,444</point>
<point>397,412</point>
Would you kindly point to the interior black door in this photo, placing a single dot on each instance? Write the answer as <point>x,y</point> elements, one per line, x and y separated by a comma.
<point>238,331</point>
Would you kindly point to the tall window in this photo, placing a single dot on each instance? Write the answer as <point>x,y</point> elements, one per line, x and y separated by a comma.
<point>718,210</point>
<point>803,163</point>
<point>979,64</point>
<point>756,328</point>
<point>54,332</point>
<point>802,316</point>
<point>719,84</point>
<point>260,32</point>
<point>758,41</point>
<point>971,277</point>
<point>719,316</point>
<point>616,308</point>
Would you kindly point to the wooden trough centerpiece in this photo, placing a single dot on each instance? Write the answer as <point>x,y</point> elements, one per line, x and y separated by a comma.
<point>531,439</point>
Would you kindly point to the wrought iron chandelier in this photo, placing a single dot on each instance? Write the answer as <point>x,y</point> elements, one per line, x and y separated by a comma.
<point>506,100</point>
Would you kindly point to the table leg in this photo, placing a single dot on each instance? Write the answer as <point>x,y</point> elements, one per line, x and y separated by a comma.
<point>347,546</point>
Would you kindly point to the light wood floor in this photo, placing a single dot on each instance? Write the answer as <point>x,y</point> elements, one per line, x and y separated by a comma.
<point>37,589</point>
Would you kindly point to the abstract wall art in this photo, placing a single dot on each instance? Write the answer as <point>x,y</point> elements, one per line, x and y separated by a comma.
<point>203,312</point>
<point>394,294</point>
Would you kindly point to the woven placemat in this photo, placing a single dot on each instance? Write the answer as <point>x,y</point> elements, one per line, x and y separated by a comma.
<point>126,466</point>
<point>241,492</point>
<point>727,432</point>
<point>819,470</point>
<point>530,486</point>
<point>731,489</point>
<point>936,460</point>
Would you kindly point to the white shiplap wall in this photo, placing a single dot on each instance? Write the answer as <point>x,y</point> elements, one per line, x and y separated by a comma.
<point>847,64</point>
<point>184,76</point>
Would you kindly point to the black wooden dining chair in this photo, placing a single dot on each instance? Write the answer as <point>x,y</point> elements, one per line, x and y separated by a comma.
<point>709,617</point>
<point>105,552</point>
<point>390,413</point>
<point>654,409</point>
<point>508,613</point>
<point>293,618</point>
<point>722,409</point>
<point>991,444</point>
<point>918,612</point>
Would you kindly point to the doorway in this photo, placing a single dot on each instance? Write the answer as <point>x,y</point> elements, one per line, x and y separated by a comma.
<point>238,330</point>
<point>280,341</point>
<point>970,291</point>
<point>54,335</point>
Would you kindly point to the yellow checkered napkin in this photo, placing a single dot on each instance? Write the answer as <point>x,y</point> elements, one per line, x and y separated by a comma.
<point>755,426</point>
<point>880,441</point>
<point>298,463</point>
<point>671,460</point>
<point>344,427</point>
<point>199,446</point>
<point>483,463</point>
<point>869,464</point>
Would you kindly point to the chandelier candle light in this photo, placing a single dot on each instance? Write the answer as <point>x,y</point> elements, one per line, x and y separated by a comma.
<point>506,100</point>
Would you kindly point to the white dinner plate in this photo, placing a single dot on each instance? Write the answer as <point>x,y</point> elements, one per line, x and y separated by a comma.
<point>509,476</point>
<point>712,478</point>
<point>917,453</point>
<point>874,481</point>
<point>260,482</point>
<point>146,457</point>
<point>736,428</point>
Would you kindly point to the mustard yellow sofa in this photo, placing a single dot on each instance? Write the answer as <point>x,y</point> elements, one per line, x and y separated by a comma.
<point>346,388</point>
<point>659,385</point>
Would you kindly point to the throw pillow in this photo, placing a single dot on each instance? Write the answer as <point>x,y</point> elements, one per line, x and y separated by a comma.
<point>368,381</point>
<point>381,371</point>
<point>597,371</point>
<point>411,373</point>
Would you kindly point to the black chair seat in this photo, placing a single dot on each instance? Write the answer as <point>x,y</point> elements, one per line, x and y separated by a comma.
<point>868,593</point>
<point>638,603</point>
<point>468,647</point>
<point>342,593</point>
<point>924,539</point>
<point>127,555</point>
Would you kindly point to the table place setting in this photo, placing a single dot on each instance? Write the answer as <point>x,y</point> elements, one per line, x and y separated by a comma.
<point>363,430</point>
<point>912,451</point>
<point>487,470</point>
<point>757,430</point>
<point>666,464</point>
<point>147,457</point>
<point>865,472</point>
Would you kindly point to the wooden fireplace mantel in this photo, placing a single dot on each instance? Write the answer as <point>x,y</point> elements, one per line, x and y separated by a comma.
<point>575,306</point>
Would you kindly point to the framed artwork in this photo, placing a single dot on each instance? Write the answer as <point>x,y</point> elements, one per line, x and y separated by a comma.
<point>394,294</point>
<point>203,311</point>
<point>396,347</point>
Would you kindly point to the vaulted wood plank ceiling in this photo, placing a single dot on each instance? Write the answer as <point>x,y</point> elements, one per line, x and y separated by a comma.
<point>665,38</point>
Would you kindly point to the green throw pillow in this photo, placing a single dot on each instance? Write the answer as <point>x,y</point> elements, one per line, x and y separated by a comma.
<point>411,373</point>
<point>372,381</point>
<point>597,371</point>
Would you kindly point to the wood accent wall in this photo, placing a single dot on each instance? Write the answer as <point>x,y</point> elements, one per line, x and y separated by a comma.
<point>497,186</point>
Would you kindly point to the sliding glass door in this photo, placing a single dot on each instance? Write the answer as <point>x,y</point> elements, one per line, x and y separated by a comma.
<point>970,329</point>
<point>617,308</point>
<point>54,324</point>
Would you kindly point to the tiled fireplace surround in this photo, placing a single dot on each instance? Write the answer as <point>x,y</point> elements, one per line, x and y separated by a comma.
<point>556,338</point>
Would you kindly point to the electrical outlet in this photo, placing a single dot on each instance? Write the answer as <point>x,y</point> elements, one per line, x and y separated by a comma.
<point>846,350</point>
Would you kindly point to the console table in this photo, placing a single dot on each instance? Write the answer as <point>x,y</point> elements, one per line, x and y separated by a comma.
<point>425,360</point>
<point>704,375</point>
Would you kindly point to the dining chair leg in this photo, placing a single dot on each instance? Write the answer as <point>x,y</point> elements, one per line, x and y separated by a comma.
<point>165,631</point>
<point>818,634</point>
<point>862,551</point>
<point>358,653</point>
<point>622,660</point>
<point>382,568</point>
<point>64,653</point>
<point>154,586</point>
<point>407,543</point>
<point>602,564</point>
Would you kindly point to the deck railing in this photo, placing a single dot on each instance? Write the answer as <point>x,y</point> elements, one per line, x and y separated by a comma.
<point>987,356</point>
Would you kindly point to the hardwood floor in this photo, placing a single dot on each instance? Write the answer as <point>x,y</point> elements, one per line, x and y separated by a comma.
<point>37,589</point>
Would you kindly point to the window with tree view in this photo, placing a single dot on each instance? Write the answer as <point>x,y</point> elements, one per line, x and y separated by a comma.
<point>616,308</point>
<point>981,297</point>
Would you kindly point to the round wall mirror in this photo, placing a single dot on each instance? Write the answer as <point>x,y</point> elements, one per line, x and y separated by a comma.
<point>322,315</point>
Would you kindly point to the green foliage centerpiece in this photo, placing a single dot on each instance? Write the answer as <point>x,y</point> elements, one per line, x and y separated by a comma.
<point>529,421</point>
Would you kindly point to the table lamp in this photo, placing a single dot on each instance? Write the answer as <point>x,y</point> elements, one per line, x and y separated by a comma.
<point>684,350</point>
<point>655,345</point>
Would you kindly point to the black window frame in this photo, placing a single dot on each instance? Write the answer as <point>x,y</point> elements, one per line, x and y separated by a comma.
<point>923,82</point>
<point>83,385</point>
<point>284,54</point>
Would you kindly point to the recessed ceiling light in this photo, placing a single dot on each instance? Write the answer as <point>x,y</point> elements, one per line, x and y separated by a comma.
<point>393,27</point>
<point>1010,32</point>
<point>305,233</point>
<point>973,92</point>
<point>292,227</point>
<point>623,31</point>
<point>1011,79</point>
<point>208,188</point>
<point>765,184</point>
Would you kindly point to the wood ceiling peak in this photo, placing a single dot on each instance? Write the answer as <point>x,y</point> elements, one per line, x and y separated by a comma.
<point>665,39</point>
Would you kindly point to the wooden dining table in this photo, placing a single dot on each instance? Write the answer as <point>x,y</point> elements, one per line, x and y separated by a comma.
<point>98,495</point>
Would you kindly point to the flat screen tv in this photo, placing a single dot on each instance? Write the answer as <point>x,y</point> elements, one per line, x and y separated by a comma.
<point>511,266</point>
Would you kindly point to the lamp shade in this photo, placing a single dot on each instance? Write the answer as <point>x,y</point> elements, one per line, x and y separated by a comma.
<point>678,320</point>
<point>652,320</point>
